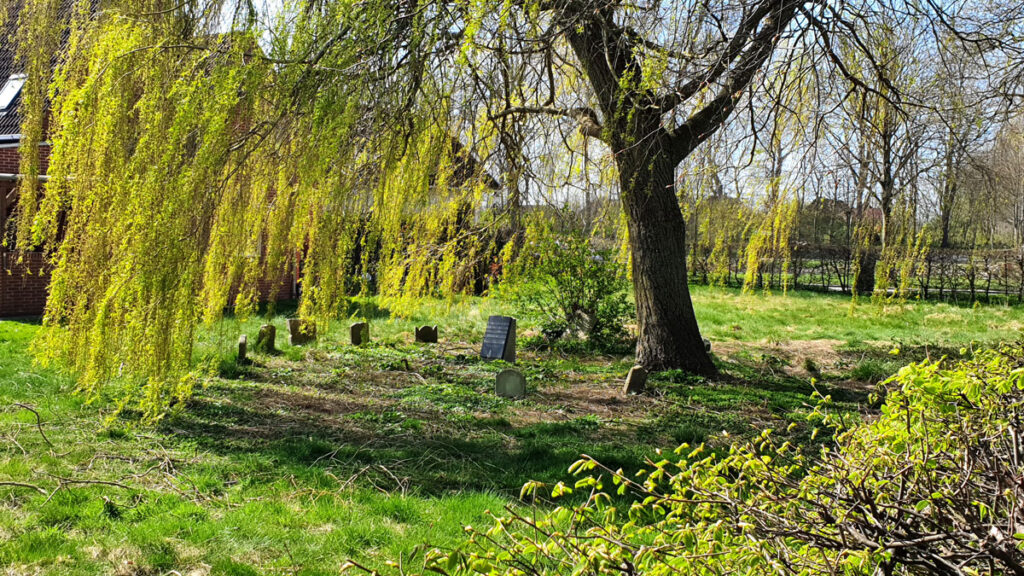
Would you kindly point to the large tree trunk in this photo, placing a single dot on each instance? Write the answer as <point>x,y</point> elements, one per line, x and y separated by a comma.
<point>668,333</point>
<point>947,196</point>
<point>945,218</point>
<point>647,153</point>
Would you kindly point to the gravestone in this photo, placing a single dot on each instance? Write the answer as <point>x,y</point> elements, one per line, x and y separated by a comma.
<point>500,339</point>
<point>300,331</point>
<point>707,345</point>
<point>510,384</point>
<point>427,334</point>
<point>265,339</point>
<point>243,349</point>
<point>636,380</point>
<point>359,333</point>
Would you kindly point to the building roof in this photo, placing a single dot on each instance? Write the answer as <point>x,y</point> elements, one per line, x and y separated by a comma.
<point>10,121</point>
<point>11,78</point>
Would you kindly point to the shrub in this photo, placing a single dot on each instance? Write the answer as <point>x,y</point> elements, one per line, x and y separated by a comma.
<point>933,485</point>
<point>575,288</point>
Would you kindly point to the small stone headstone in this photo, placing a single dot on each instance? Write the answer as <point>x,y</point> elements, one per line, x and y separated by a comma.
<point>427,334</point>
<point>243,349</point>
<point>636,380</point>
<point>500,339</point>
<point>359,333</point>
<point>707,345</point>
<point>510,384</point>
<point>300,331</point>
<point>265,339</point>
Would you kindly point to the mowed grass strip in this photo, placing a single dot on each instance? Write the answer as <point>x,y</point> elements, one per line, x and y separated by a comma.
<point>727,314</point>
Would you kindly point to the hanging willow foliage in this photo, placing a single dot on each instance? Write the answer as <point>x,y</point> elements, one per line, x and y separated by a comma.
<point>902,256</point>
<point>186,165</point>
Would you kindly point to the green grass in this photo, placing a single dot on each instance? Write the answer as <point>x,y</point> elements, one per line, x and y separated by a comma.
<point>190,502</point>
<point>730,315</point>
<point>298,462</point>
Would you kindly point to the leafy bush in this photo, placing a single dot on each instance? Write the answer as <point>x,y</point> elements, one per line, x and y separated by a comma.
<point>933,485</point>
<point>577,289</point>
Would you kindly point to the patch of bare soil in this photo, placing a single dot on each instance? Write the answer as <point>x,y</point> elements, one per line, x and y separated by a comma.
<point>563,403</point>
<point>799,358</point>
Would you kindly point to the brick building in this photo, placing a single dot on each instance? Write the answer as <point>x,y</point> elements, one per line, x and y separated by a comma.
<point>25,276</point>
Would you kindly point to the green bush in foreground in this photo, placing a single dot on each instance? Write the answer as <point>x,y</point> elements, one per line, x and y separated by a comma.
<point>931,486</point>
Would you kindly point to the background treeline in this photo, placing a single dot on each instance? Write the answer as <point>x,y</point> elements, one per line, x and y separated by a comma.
<point>955,224</point>
<point>837,184</point>
<point>951,227</point>
<point>901,176</point>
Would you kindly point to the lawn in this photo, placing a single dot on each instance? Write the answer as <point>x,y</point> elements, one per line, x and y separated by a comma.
<point>300,462</point>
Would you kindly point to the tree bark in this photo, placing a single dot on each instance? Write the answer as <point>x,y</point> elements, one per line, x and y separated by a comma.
<point>944,220</point>
<point>947,194</point>
<point>668,332</point>
<point>865,283</point>
<point>647,153</point>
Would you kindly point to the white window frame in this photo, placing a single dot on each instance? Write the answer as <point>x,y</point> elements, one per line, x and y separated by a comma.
<point>11,88</point>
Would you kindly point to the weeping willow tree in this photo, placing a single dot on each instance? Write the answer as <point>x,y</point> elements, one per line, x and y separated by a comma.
<point>201,144</point>
<point>711,216</point>
<point>188,163</point>
<point>902,257</point>
<point>770,234</point>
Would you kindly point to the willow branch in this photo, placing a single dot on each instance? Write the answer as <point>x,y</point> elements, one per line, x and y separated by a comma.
<point>587,117</point>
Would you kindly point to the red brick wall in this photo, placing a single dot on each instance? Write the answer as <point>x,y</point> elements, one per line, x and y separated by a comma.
<point>10,160</point>
<point>24,279</point>
<point>285,284</point>
<point>5,189</point>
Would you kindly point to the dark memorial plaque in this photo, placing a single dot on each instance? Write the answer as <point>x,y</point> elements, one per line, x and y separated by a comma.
<point>426,334</point>
<point>500,339</point>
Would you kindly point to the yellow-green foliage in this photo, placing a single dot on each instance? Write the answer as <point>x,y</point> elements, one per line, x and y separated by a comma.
<point>924,486</point>
<point>720,220</point>
<point>37,41</point>
<point>902,255</point>
<point>187,165</point>
<point>861,239</point>
<point>770,239</point>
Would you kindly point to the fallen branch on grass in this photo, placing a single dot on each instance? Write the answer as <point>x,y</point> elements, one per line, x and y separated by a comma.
<point>23,485</point>
<point>39,421</point>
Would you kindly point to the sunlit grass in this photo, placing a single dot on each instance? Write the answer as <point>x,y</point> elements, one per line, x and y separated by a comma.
<point>731,315</point>
<point>325,453</point>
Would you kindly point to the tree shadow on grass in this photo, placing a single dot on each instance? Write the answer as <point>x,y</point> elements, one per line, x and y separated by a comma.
<point>391,445</point>
<point>364,416</point>
<point>740,382</point>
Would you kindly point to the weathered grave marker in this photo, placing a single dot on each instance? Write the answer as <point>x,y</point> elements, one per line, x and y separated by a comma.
<point>243,349</point>
<point>359,333</point>
<point>300,331</point>
<point>500,339</point>
<point>265,339</point>
<point>707,345</point>
<point>636,380</point>
<point>427,334</point>
<point>510,384</point>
